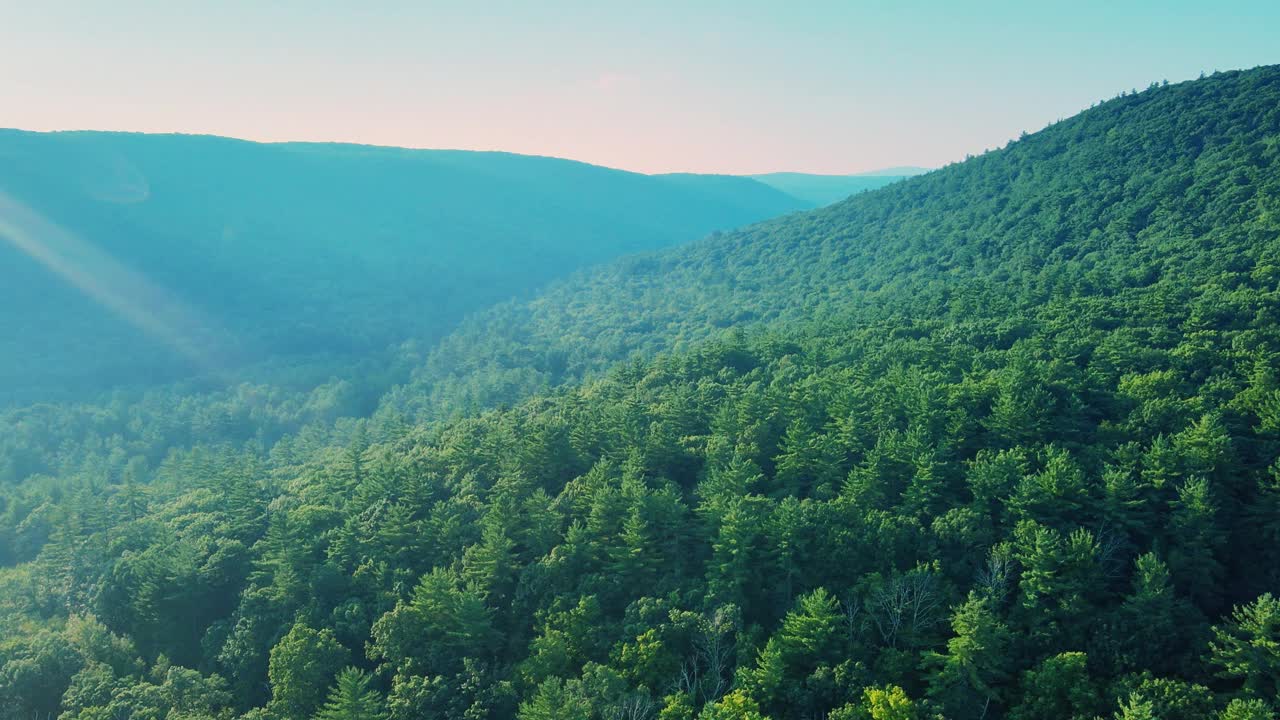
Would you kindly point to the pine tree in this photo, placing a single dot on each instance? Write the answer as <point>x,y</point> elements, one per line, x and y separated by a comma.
<point>1242,709</point>
<point>726,484</point>
<point>968,676</point>
<point>1150,619</point>
<point>489,565</point>
<point>1059,579</point>
<point>740,555</point>
<point>352,698</point>
<point>807,464</point>
<point>1263,517</point>
<point>1195,539</point>
<point>631,556</point>
<point>811,632</point>
<point>554,701</point>
<point>1247,647</point>
<point>1136,708</point>
<point>1055,496</point>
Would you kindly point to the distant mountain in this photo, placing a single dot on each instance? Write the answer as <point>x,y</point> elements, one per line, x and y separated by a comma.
<point>903,171</point>
<point>822,190</point>
<point>135,258</point>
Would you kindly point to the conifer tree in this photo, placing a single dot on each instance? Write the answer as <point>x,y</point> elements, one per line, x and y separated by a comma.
<point>352,698</point>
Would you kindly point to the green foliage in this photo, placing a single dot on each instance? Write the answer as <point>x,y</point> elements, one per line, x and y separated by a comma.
<point>734,706</point>
<point>1136,708</point>
<point>1239,709</point>
<point>302,666</point>
<point>553,702</point>
<point>1166,698</point>
<point>887,703</point>
<point>1058,687</point>
<point>976,662</point>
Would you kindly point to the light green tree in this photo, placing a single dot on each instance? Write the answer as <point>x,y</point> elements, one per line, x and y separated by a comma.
<point>352,698</point>
<point>1247,647</point>
<point>301,666</point>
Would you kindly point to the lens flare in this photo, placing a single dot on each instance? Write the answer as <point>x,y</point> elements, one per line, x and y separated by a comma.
<point>109,283</point>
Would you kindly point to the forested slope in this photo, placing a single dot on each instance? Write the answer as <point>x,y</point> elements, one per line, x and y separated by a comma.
<point>1173,183</point>
<point>135,259</point>
<point>997,442</point>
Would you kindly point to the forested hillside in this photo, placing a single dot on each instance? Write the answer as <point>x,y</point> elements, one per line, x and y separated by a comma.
<point>1001,441</point>
<point>134,259</point>
<point>1170,184</point>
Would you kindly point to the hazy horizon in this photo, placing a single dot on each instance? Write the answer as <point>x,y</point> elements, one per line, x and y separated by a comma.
<point>741,88</point>
<point>893,171</point>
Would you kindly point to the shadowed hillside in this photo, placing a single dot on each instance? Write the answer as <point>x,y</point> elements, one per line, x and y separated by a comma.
<point>179,254</point>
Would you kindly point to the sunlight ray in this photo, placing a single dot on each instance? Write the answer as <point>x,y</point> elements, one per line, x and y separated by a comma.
<point>106,281</point>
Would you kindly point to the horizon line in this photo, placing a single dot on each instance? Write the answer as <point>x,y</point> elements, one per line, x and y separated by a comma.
<point>878,171</point>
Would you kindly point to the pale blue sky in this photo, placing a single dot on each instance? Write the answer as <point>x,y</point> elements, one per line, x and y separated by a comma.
<point>650,85</point>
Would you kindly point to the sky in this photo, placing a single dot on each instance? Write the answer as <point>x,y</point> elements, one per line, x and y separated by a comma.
<point>739,86</point>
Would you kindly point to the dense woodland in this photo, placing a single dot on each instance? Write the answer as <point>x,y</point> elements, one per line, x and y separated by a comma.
<point>1001,441</point>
